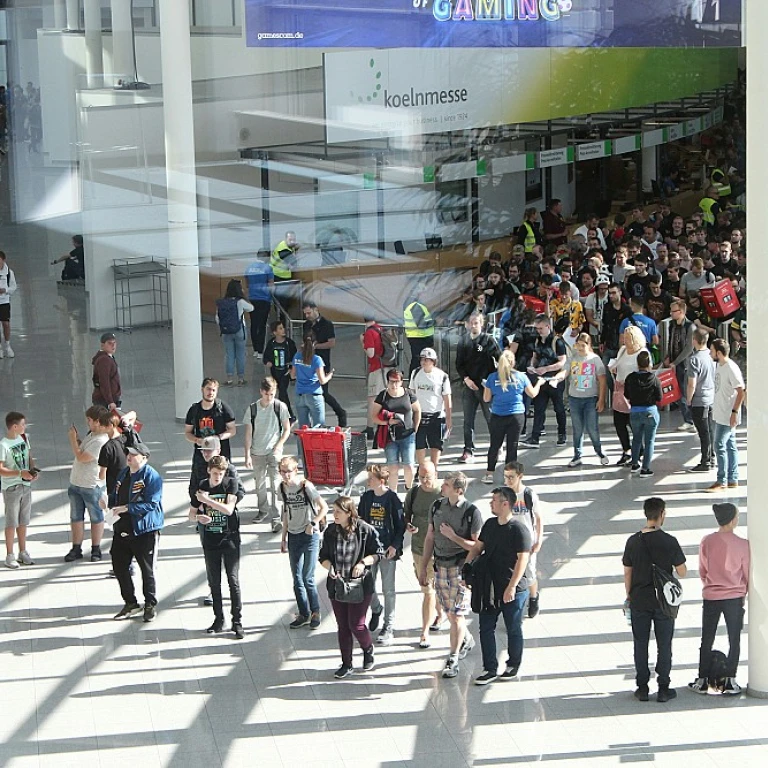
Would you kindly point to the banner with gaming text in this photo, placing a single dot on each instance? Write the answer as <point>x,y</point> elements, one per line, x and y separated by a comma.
<point>493,23</point>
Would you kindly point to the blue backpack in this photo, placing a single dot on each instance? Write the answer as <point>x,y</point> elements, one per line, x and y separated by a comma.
<point>229,316</point>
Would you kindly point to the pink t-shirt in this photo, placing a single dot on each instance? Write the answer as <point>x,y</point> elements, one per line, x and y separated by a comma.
<point>724,566</point>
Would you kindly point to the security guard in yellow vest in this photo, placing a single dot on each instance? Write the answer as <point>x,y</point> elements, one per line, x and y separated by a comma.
<point>720,181</point>
<point>419,330</point>
<point>710,207</point>
<point>527,233</point>
<point>282,256</point>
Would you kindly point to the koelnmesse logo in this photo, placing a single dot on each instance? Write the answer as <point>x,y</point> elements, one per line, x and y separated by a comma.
<point>409,98</point>
<point>499,10</point>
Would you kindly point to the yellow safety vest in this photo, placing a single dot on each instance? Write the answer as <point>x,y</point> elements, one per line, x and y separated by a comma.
<point>706,204</point>
<point>412,330</point>
<point>723,188</point>
<point>279,267</point>
<point>530,238</point>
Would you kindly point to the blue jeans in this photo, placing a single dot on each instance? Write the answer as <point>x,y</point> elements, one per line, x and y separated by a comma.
<point>303,549</point>
<point>584,418</point>
<point>663,628</point>
<point>311,410</point>
<point>726,453</point>
<point>81,499</point>
<point>644,426</point>
<point>513,621</point>
<point>402,452</point>
<point>234,353</point>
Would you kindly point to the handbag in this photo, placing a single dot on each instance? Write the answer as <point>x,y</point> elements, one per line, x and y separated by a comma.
<point>348,590</point>
<point>620,402</point>
<point>669,590</point>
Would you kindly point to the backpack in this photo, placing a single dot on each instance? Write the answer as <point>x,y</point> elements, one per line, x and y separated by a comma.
<point>669,591</point>
<point>390,343</point>
<point>229,316</point>
<point>321,523</point>
<point>275,405</point>
<point>718,670</point>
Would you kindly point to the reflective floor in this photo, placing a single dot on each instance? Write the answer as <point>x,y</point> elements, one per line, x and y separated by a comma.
<point>79,689</point>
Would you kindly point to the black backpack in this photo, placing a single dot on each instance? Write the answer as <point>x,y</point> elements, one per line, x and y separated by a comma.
<point>390,344</point>
<point>229,316</point>
<point>718,670</point>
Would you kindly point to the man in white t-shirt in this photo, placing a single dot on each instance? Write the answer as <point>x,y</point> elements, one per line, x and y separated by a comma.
<point>267,427</point>
<point>86,483</point>
<point>726,414</point>
<point>432,388</point>
<point>17,470</point>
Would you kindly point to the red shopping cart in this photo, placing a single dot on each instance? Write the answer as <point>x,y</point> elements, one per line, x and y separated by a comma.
<point>333,456</point>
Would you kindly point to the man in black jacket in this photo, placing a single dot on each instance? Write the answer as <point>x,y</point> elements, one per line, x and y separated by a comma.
<point>615,312</point>
<point>476,357</point>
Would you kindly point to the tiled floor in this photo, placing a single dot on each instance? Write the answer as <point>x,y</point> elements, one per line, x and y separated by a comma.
<point>78,688</point>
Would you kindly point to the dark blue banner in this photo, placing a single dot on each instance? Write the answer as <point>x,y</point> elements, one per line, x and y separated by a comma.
<point>492,23</point>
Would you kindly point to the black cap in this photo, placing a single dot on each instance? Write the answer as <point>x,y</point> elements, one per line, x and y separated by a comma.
<point>109,336</point>
<point>725,512</point>
<point>139,449</point>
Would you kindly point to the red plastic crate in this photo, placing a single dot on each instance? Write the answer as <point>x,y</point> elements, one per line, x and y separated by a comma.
<point>325,453</point>
<point>720,300</point>
<point>670,389</point>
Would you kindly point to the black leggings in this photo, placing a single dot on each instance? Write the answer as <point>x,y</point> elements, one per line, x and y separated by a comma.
<point>621,423</point>
<point>508,427</point>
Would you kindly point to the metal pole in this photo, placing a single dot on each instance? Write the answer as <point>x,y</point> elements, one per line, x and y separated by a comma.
<point>73,14</point>
<point>122,40</point>
<point>94,57</point>
<point>59,14</point>
<point>180,172</point>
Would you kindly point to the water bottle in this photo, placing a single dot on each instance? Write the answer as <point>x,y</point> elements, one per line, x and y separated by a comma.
<point>627,612</point>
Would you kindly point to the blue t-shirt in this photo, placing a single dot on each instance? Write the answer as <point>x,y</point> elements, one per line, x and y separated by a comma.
<point>644,323</point>
<point>307,382</point>
<point>259,276</point>
<point>511,401</point>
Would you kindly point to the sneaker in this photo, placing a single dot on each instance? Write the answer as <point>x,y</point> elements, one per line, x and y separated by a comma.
<point>634,468</point>
<point>733,485</point>
<point>466,646</point>
<point>465,457</point>
<point>386,636</point>
<point>95,554</point>
<point>314,620</point>
<point>699,685</point>
<point>215,628</point>
<point>604,460</point>
<point>368,660</point>
<point>228,383</point>
<point>299,621</point>
<point>646,473</point>
<point>150,613</point>
<point>530,442</point>
<point>509,673</point>
<point>8,351</point>
<point>208,599</point>
<point>533,607</point>
<point>259,516</point>
<point>342,672</point>
<point>242,382</point>
<point>686,427</point>
<point>451,668</point>
<point>257,355</point>
<point>437,624</point>
<point>24,558</point>
<point>373,624</point>
<point>76,553</point>
<point>700,468</point>
<point>731,687</point>
<point>487,478</point>
<point>277,526</point>
<point>237,628</point>
<point>641,694</point>
<point>127,611</point>
<point>625,459</point>
<point>715,488</point>
<point>11,562</point>
<point>666,694</point>
<point>2,354</point>
<point>562,439</point>
<point>485,678</point>
<point>574,463</point>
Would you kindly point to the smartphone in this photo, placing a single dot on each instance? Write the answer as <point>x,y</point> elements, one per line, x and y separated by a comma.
<point>34,470</point>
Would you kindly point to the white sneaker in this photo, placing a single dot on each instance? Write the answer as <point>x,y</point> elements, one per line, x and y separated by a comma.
<point>8,351</point>
<point>2,354</point>
<point>257,355</point>
<point>24,558</point>
<point>10,561</point>
<point>686,427</point>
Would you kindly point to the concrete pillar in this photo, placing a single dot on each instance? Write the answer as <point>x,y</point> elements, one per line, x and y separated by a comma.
<point>59,14</point>
<point>122,40</point>
<point>757,365</point>
<point>182,203</point>
<point>650,168</point>
<point>73,14</point>
<point>94,56</point>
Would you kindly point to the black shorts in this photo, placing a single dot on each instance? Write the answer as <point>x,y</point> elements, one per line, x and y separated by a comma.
<point>431,434</point>
<point>5,313</point>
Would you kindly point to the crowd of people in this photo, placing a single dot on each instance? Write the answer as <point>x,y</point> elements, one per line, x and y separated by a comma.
<point>609,316</point>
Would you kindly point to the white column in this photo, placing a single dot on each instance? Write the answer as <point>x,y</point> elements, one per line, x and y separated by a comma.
<point>73,14</point>
<point>650,168</point>
<point>757,365</point>
<point>94,58</point>
<point>59,14</point>
<point>122,40</point>
<point>182,203</point>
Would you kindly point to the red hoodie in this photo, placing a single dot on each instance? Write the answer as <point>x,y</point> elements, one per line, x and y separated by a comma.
<point>106,379</point>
